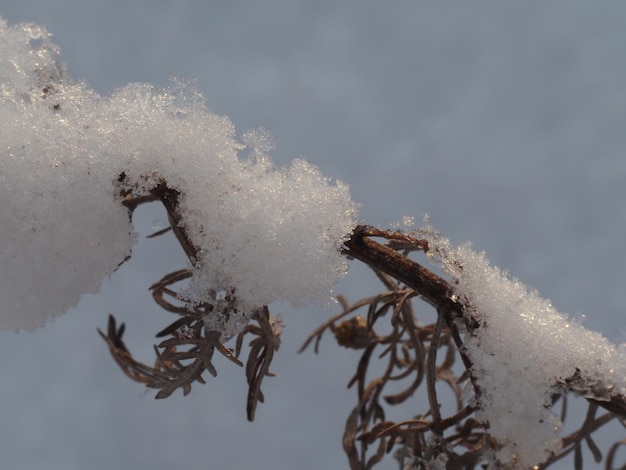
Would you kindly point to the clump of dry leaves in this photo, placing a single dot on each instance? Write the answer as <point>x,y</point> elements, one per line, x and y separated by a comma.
<point>188,344</point>
<point>413,354</point>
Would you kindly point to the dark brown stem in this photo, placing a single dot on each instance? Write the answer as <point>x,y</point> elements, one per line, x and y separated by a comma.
<point>170,199</point>
<point>428,285</point>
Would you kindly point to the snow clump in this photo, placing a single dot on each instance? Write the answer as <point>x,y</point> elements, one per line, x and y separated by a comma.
<point>67,154</point>
<point>522,352</point>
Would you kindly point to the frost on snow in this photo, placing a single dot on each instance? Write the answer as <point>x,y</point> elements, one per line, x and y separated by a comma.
<point>523,351</point>
<point>272,234</point>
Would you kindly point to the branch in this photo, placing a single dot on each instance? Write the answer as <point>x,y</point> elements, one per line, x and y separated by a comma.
<point>428,285</point>
<point>432,288</point>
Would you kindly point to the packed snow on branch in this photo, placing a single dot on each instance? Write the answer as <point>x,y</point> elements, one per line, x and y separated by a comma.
<point>523,351</point>
<point>67,154</point>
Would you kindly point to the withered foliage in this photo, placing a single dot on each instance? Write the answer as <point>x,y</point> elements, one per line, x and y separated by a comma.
<point>410,353</point>
<point>187,349</point>
<point>413,354</point>
<point>404,354</point>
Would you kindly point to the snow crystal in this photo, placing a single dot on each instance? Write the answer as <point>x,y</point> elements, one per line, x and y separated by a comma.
<point>522,352</point>
<point>265,234</point>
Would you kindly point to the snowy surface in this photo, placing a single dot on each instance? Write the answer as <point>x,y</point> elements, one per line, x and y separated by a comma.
<point>504,122</point>
<point>69,156</point>
<point>522,352</point>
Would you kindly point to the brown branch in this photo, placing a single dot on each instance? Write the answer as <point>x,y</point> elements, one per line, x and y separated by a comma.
<point>391,266</point>
<point>170,199</point>
<point>432,288</point>
<point>428,285</point>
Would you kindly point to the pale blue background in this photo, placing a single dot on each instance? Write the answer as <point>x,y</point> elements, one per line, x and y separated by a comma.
<point>505,122</point>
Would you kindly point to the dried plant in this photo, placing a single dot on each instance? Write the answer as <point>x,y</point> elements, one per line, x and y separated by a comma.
<point>417,354</point>
<point>189,344</point>
<point>414,355</point>
<point>410,351</point>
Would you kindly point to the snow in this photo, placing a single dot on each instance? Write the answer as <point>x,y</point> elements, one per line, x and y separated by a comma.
<point>523,351</point>
<point>266,234</point>
<point>272,234</point>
